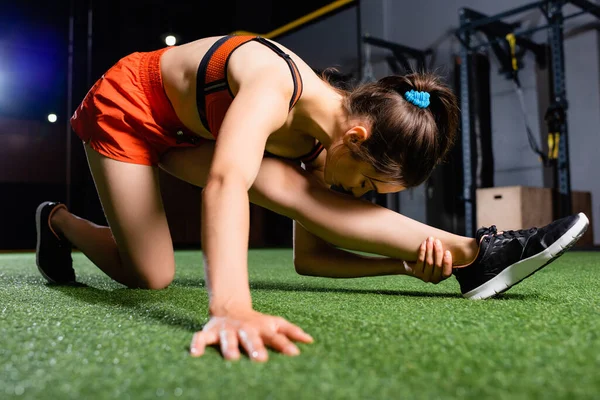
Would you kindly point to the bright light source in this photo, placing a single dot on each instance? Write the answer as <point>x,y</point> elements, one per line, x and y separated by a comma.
<point>170,40</point>
<point>52,118</point>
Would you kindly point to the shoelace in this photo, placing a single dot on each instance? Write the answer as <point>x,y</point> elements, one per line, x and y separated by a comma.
<point>512,234</point>
<point>483,231</point>
<point>493,231</point>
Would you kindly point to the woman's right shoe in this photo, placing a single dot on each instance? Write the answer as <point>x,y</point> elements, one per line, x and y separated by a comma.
<point>53,255</point>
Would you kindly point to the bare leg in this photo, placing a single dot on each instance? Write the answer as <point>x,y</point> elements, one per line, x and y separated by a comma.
<point>338,219</point>
<point>361,225</point>
<point>136,250</point>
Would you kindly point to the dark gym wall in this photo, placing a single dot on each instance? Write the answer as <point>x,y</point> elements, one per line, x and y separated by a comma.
<point>32,167</point>
<point>333,42</point>
<point>32,150</point>
<point>428,23</point>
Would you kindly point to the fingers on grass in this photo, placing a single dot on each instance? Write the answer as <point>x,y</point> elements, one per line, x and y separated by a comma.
<point>253,344</point>
<point>199,342</point>
<point>294,332</point>
<point>281,343</point>
<point>229,344</point>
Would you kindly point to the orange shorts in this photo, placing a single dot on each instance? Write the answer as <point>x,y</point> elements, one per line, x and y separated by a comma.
<point>127,115</point>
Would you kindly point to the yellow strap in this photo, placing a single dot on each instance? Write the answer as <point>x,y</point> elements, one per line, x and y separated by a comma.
<point>512,42</point>
<point>553,143</point>
<point>300,21</point>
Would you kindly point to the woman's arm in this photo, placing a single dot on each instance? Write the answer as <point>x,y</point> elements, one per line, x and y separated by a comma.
<point>259,109</point>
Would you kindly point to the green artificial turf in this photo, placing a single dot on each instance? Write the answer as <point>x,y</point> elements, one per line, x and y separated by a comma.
<point>376,338</point>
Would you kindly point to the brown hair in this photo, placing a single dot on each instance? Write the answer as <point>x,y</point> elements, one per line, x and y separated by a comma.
<point>406,141</point>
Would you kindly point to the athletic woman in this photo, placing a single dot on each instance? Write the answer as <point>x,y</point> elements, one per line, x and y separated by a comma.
<point>248,120</point>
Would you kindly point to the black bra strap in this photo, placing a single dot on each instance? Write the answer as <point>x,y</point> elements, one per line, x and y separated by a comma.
<point>291,64</point>
<point>200,80</point>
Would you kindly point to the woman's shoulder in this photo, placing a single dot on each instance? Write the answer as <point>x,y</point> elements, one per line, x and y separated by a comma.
<point>263,54</point>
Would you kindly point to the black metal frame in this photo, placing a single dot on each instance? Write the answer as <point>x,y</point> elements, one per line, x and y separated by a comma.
<point>401,54</point>
<point>495,31</point>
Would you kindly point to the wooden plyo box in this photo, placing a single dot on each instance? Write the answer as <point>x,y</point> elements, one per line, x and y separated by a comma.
<point>582,202</point>
<point>521,207</point>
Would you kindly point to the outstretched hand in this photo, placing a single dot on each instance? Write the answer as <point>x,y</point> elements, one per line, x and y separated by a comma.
<point>252,331</point>
<point>433,263</point>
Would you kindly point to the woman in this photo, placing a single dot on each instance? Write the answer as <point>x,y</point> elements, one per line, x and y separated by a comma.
<point>235,100</point>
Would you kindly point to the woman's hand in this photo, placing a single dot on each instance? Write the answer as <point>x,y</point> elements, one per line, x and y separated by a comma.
<point>252,331</point>
<point>433,264</point>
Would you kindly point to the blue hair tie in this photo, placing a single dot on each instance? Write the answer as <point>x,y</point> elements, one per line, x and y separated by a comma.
<point>419,99</point>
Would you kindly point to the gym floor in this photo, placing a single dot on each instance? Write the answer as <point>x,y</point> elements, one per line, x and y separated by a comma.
<point>381,338</point>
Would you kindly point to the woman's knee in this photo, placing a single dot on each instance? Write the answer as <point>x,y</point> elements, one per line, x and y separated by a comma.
<point>155,282</point>
<point>154,279</point>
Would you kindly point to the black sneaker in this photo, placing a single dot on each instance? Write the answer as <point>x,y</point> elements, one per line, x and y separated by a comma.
<point>53,255</point>
<point>507,258</point>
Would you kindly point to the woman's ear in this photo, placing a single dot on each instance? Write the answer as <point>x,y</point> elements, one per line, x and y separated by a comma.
<point>356,135</point>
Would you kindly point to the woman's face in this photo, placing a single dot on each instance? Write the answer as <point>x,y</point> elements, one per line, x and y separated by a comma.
<point>357,177</point>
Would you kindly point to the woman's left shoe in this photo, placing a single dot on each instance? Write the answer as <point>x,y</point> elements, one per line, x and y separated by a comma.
<point>507,258</point>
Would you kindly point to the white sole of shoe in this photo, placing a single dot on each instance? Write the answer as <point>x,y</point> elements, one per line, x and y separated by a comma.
<point>524,268</point>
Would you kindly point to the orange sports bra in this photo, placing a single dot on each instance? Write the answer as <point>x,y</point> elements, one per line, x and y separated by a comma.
<point>213,95</point>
